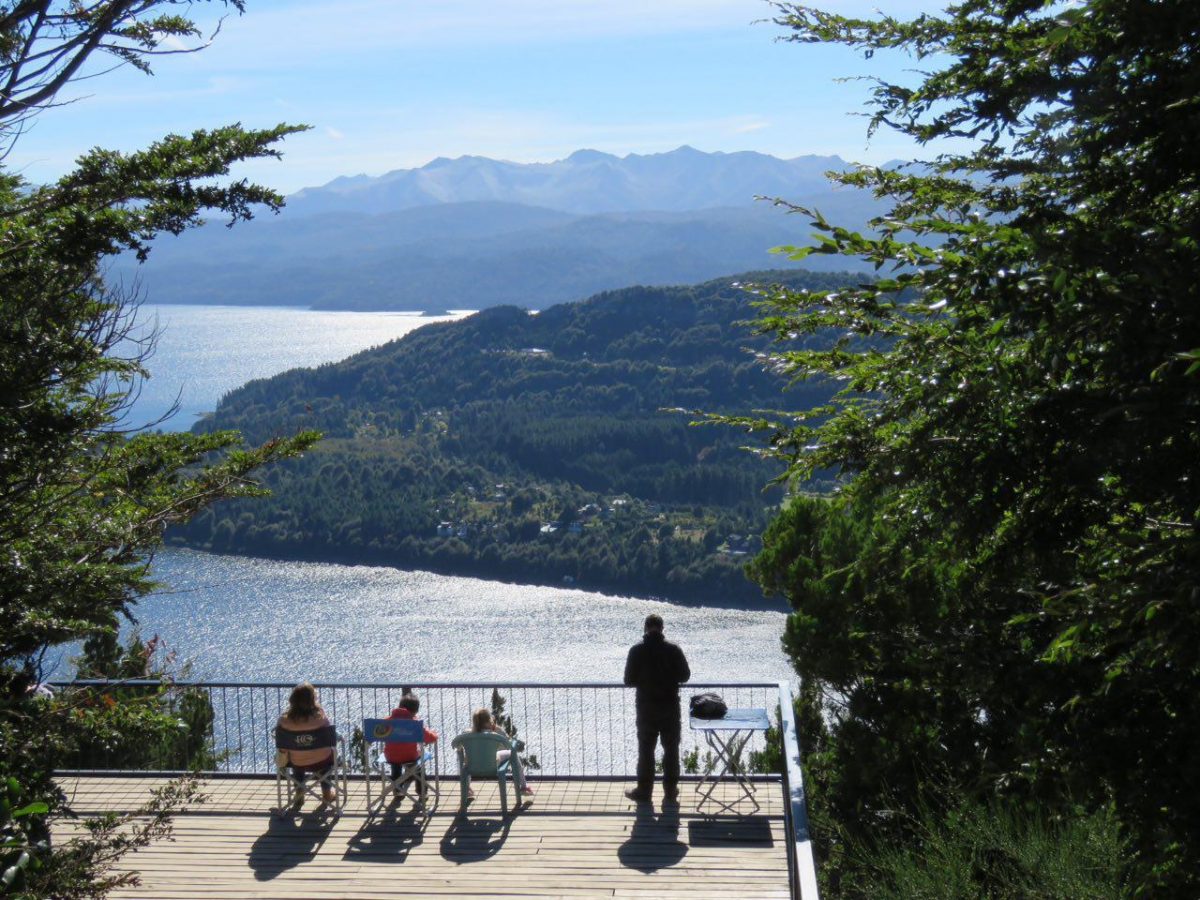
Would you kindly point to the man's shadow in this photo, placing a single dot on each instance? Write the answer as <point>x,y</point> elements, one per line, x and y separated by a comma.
<point>287,843</point>
<point>389,836</point>
<point>473,840</point>
<point>654,840</point>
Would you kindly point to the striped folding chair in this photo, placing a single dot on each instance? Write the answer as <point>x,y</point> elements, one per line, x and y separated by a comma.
<point>289,784</point>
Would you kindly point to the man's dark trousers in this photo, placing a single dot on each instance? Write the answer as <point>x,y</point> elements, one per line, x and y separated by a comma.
<point>655,722</point>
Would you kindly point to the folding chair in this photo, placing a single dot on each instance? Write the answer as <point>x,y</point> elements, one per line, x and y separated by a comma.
<point>313,785</point>
<point>397,731</point>
<point>477,751</point>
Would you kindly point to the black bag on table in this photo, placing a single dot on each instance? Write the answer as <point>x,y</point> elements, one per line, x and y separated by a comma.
<point>708,706</point>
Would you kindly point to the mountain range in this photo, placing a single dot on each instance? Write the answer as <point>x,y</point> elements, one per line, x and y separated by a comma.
<point>585,183</point>
<point>472,233</point>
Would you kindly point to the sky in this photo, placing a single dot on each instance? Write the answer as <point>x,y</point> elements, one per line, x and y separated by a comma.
<point>390,84</point>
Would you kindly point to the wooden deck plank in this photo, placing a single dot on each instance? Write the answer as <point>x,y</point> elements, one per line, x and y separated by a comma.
<point>576,839</point>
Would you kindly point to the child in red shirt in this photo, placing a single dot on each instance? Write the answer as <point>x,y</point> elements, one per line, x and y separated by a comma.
<point>400,755</point>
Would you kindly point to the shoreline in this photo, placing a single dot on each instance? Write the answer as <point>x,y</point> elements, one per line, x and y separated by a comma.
<point>767,604</point>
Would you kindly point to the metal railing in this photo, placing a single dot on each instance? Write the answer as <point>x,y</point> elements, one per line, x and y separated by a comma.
<point>802,866</point>
<point>571,731</point>
<point>583,730</point>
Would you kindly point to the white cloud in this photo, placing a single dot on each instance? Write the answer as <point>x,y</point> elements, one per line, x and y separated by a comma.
<point>140,89</point>
<point>751,126</point>
<point>319,28</point>
<point>173,42</point>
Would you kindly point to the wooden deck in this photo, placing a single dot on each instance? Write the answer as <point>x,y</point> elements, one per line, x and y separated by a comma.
<point>573,839</point>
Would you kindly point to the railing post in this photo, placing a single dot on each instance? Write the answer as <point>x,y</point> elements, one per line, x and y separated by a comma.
<point>803,870</point>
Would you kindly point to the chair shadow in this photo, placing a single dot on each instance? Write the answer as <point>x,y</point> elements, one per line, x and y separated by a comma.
<point>654,840</point>
<point>389,836</point>
<point>287,843</point>
<point>473,840</point>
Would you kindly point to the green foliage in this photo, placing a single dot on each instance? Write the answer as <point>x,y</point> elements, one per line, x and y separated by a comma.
<point>1002,591</point>
<point>693,763</point>
<point>358,744</point>
<point>22,838</point>
<point>84,499</point>
<point>506,724</point>
<point>971,849</point>
<point>161,727</point>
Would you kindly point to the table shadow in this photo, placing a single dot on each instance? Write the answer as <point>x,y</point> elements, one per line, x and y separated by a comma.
<point>731,831</point>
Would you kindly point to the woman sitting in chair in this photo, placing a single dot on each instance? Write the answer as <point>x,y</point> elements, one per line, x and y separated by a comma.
<point>482,721</point>
<point>304,713</point>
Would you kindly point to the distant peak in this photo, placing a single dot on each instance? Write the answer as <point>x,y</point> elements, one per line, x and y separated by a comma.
<point>684,150</point>
<point>585,155</point>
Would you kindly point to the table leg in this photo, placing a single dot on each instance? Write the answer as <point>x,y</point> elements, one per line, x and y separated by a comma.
<point>727,751</point>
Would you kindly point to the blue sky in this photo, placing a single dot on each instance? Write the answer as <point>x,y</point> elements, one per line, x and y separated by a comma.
<point>390,84</point>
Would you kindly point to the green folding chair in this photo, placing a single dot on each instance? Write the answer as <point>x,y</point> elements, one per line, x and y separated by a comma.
<point>477,752</point>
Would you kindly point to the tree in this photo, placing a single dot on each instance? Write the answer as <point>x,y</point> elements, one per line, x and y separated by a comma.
<point>1001,591</point>
<point>84,497</point>
<point>45,44</point>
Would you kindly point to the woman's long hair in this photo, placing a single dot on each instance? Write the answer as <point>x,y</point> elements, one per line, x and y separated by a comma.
<point>481,720</point>
<point>302,704</point>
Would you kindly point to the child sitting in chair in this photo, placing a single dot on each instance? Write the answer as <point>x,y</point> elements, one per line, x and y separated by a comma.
<point>482,721</point>
<point>400,755</point>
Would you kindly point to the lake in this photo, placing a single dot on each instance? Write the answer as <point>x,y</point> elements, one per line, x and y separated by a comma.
<point>242,619</point>
<point>203,351</point>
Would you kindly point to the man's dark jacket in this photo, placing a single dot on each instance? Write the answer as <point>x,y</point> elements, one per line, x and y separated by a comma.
<point>656,667</point>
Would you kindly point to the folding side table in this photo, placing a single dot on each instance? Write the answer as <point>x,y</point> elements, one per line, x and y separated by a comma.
<point>727,737</point>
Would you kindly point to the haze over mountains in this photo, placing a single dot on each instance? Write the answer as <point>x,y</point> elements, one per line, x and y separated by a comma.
<point>471,233</point>
<point>586,182</point>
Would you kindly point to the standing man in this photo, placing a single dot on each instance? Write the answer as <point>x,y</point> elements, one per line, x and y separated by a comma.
<point>656,667</point>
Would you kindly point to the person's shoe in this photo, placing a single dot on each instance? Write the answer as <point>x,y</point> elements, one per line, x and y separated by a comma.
<point>637,796</point>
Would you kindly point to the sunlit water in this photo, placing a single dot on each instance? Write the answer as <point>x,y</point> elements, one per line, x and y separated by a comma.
<point>232,619</point>
<point>239,619</point>
<point>203,352</point>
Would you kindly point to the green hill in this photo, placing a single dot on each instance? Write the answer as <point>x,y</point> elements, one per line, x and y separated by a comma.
<point>527,447</point>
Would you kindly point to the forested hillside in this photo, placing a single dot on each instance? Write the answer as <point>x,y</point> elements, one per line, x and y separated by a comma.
<point>543,447</point>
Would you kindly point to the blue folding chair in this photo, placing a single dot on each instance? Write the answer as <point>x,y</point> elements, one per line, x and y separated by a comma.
<point>417,772</point>
<point>335,779</point>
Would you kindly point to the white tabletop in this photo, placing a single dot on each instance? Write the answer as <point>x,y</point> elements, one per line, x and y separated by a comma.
<point>734,720</point>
